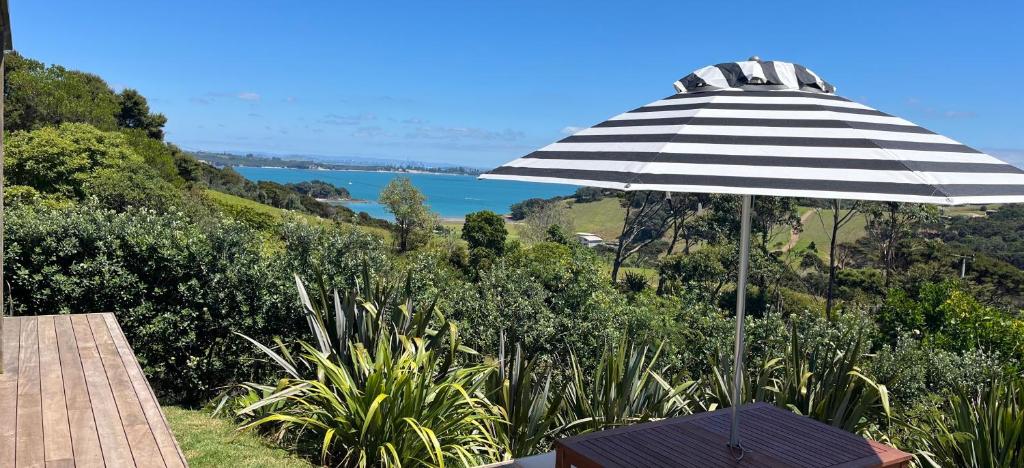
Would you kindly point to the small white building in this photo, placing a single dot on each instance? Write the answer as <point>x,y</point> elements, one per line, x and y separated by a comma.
<point>588,239</point>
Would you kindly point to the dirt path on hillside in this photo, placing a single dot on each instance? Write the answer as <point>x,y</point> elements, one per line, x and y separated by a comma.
<point>794,236</point>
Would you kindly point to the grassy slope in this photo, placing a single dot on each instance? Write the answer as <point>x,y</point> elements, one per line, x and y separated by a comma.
<point>967,210</point>
<point>208,441</point>
<point>603,217</point>
<point>251,210</point>
<point>819,226</point>
<point>264,216</point>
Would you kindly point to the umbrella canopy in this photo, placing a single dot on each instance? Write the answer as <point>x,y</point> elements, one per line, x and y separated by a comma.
<point>770,128</point>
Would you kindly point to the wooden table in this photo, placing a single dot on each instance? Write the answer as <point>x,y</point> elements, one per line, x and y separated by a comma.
<point>771,437</point>
<point>73,395</point>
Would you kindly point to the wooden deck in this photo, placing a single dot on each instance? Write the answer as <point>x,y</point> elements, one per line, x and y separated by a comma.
<point>771,437</point>
<point>73,395</point>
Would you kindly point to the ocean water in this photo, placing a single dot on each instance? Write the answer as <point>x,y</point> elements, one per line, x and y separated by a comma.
<point>450,196</point>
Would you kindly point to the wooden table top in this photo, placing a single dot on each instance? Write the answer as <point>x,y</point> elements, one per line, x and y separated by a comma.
<point>73,395</point>
<point>771,437</point>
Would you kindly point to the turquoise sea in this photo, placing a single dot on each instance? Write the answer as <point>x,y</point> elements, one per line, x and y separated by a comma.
<point>450,196</point>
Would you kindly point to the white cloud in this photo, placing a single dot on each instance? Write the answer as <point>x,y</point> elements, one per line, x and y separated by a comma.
<point>571,130</point>
<point>248,96</point>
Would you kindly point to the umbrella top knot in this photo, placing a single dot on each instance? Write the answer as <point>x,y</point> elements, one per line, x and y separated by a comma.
<point>751,73</point>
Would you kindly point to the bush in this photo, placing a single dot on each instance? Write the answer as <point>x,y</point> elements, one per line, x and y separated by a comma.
<point>378,386</point>
<point>946,315</point>
<point>635,282</point>
<point>178,288</point>
<point>624,388</point>
<point>485,230</point>
<point>78,161</point>
<point>986,429</point>
<point>914,370</point>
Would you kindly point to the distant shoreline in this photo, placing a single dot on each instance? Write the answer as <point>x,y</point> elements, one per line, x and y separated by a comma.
<point>452,198</point>
<point>390,171</point>
<point>232,160</point>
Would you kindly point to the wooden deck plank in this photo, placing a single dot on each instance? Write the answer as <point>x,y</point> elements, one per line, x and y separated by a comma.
<point>9,387</point>
<point>165,440</point>
<point>77,397</point>
<point>85,442</point>
<point>113,440</point>
<point>56,426</point>
<point>28,450</point>
<point>136,426</point>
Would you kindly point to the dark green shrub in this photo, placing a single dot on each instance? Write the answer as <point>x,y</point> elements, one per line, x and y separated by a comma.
<point>179,288</point>
<point>635,282</point>
<point>485,230</point>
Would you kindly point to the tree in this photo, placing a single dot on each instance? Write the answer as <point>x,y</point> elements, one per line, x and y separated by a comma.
<point>127,184</point>
<point>773,213</point>
<point>645,222</point>
<point>486,230</point>
<point>57,160</point>
<point>588,194</point>
<point>890,223</point>
<point>78,161</point>
<point>839,219</point>
<point>134,113</point>
<point>412,217</point>
<point>523,209</point>
<point>540,221</point>
<point>557,235</point>
<point>683,208</point>
<point>162,157</point>
<point>707,270</point>
<point>320,190</point>
<point>40,96</point>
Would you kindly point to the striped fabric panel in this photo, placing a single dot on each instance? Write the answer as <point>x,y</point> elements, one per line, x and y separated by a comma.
<point>780,142</point>
<point>750,72</point>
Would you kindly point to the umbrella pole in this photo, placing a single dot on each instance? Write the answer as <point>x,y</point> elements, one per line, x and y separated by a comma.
<point>741,300</point>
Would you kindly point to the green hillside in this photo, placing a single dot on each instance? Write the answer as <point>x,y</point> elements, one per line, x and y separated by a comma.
<point>818,228</point>
<point>602,217</point>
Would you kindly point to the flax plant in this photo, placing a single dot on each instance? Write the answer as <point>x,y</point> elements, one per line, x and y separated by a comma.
<point>816,380</point>
<point>624,389</point>
<point>973,431</point>
<point>377,387</point>
<point>526,401</point>
<point>828,384</point>
<point>387,409</point>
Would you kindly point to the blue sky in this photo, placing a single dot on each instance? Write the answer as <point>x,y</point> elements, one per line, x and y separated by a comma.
<point>478,83</point>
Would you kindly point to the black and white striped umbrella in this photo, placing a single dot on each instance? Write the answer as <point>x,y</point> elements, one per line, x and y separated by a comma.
<point>770,128</point>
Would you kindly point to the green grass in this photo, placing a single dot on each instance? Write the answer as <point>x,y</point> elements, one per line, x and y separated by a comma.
<point>254,213</point>
<point>968,210</point>
<point>603,217</point>
<point>650,273</point>
<point>266,217</point>
<point>819,226</point>
<point>208,441</point>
